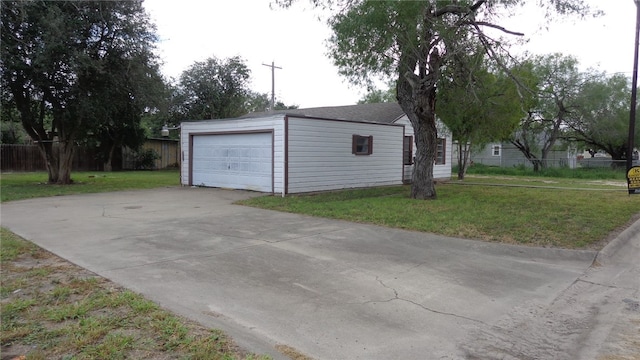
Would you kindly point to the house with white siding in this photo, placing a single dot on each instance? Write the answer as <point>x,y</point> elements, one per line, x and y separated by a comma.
<point>306,150</point>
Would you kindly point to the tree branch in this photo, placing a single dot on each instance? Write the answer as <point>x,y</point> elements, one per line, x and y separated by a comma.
<point>458,9</point>
<point>484,23</point>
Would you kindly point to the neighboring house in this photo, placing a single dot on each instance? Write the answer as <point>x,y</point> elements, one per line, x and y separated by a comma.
<point>505,154</point>
<point>305,150</point>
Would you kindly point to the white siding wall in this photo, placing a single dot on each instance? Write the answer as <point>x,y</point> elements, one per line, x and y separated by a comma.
<point>274,123</point>
<point>439,171</point>
<point>320,155</point>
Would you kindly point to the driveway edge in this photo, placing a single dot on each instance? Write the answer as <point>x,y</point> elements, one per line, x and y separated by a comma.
<point>618,243</point>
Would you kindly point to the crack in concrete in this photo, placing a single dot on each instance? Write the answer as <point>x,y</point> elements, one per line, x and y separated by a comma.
<point>604,285</point>
<point>397,297</point>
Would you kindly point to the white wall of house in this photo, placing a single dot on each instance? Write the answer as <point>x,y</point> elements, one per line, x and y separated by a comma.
<point>506,154</point>
<point>320,155</point>
<point>440,171</point>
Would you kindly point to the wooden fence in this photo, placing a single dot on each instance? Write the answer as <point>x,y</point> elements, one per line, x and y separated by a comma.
<point>168,152</point>
<point>18,157</point>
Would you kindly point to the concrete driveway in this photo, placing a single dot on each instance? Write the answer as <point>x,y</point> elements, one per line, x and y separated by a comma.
<point>334,289</point>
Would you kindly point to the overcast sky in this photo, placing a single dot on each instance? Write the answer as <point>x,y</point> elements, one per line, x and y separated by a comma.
<point>193,30</point>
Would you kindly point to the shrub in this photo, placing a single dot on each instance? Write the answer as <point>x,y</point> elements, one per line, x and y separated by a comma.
<point>145,159</point>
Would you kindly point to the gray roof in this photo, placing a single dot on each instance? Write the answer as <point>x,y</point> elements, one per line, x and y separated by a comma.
<point>378,113</point>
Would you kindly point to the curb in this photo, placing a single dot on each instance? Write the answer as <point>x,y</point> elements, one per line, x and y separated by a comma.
<point>632,232</point>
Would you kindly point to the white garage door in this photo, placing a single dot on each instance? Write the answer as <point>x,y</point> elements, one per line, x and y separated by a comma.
<point>237,161</point>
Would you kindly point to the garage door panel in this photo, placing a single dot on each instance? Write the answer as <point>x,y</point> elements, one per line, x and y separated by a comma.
<point>239,161</point>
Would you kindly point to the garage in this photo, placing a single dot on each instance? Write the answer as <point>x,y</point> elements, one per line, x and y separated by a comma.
<point>233,160</point>
<point>297,151</point>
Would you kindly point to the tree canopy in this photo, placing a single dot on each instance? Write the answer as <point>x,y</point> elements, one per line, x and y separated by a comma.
<point>479,105</point>
<point>214,89</point>
<point>412,42</point>
<point>601,120</point>
<point>210,89</point>
<point>76,71</point>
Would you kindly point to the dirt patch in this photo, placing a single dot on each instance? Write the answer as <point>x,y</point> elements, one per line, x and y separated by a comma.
<point>291,352</point>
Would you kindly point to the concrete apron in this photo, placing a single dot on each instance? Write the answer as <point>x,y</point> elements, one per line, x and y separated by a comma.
<point>330,289</point>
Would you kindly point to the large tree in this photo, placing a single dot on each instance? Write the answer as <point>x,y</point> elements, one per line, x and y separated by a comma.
<point>74,68</point>
<point>558,89</point>
<point>412,42</point>
<point>602,116</point>
<point>213,89</point>
<point>479,105</point>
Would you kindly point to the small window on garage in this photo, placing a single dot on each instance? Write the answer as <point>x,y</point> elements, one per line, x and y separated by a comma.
<point>441,152</point>
<point>407,152</point>
<point>362,145</point>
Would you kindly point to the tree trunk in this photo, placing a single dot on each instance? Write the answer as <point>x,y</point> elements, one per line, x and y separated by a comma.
<point>108,166</point>
<point>537,164</point>
<point>464,148</point>
<point>65,162</point>
<point>50,160</point>
<point>416,94</point>
<point>426,135</point>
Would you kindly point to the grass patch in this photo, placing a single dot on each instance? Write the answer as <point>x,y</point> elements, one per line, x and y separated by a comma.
<point>56,310</point>
<point>543,216</point>
<point>593,173</point>
<point>18,186</point>
<point>548,182</point>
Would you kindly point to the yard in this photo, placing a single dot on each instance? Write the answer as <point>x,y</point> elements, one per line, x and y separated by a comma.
<point>536,211</point>
<point>53,309</point>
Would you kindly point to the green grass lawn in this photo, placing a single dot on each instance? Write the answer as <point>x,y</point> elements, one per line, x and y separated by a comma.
<point>548,182</point>
<point>17,186</point>
<point>543,216</point>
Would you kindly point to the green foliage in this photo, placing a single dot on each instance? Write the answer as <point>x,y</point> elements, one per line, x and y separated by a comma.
<point>257,102</point>
<point>376,96</point>
<point>601,121</point>
<point>11,130</point>
<point>556,84</point>
<point>478,105</point>
<point>212,89</point>
<point>78,72</point>
<point>145,159</point>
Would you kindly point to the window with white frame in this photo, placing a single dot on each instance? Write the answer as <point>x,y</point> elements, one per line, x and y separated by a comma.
<point>496,150</point>
<point>441,152</point>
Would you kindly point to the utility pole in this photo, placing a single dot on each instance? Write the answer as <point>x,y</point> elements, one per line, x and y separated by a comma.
<point>632,177</point>
<point>273,83</point>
